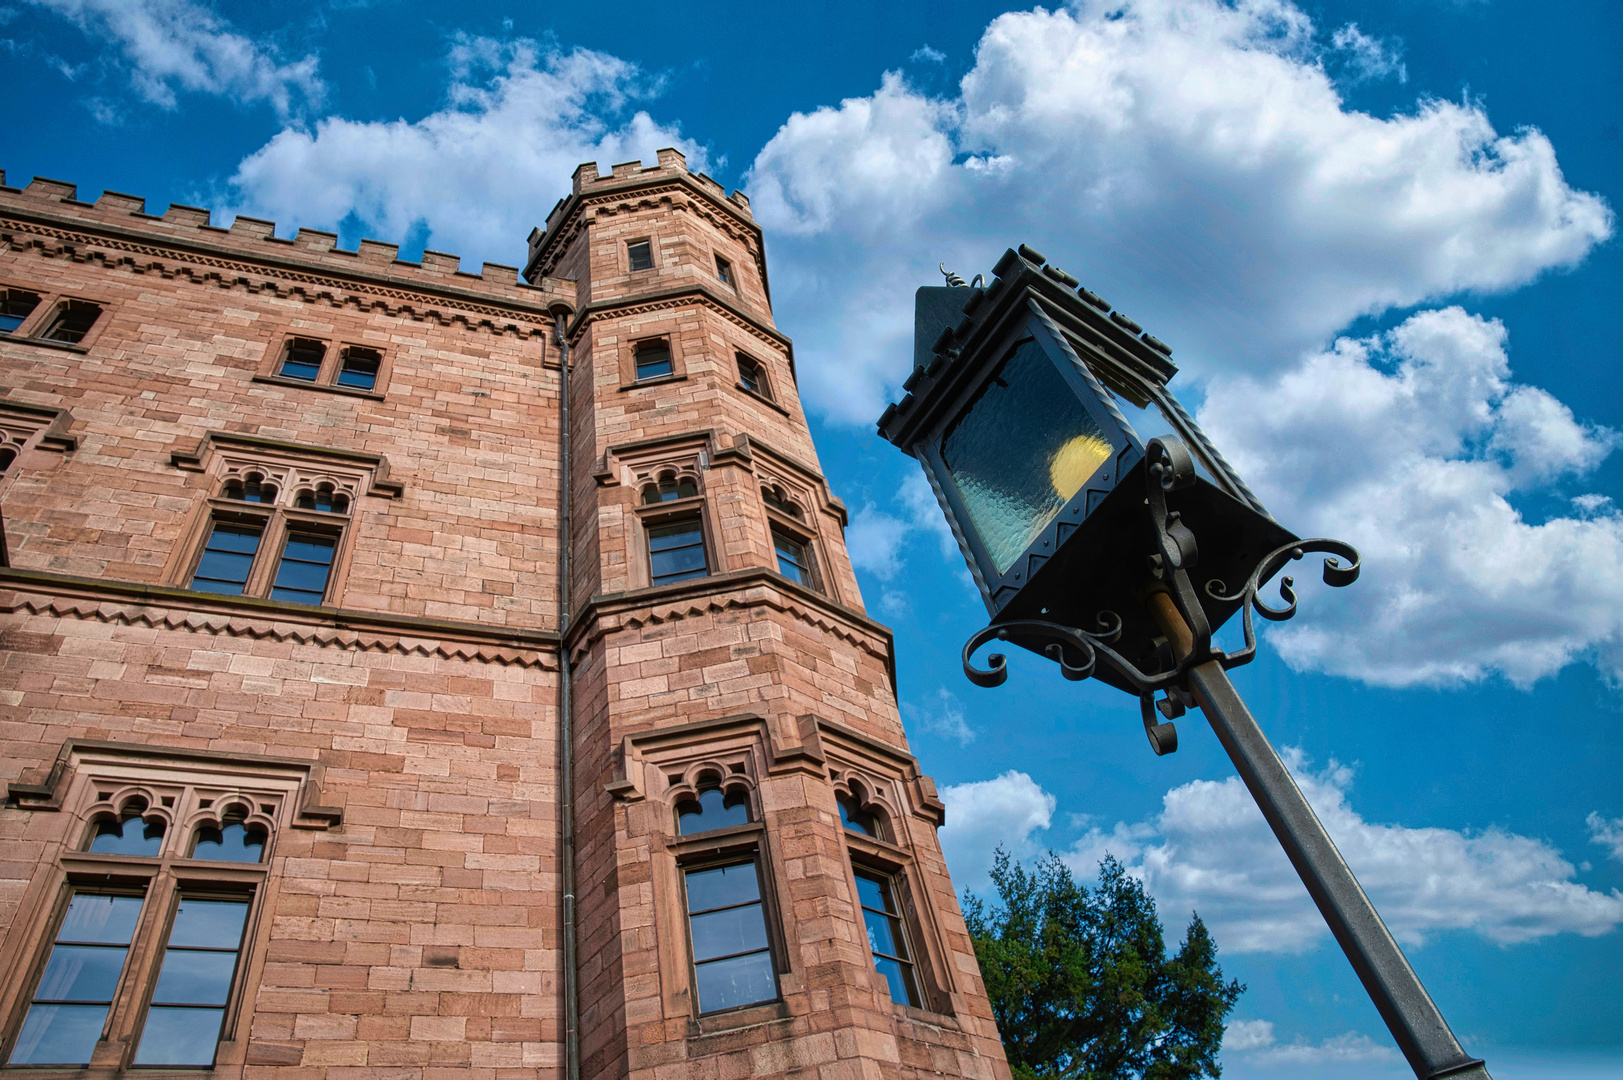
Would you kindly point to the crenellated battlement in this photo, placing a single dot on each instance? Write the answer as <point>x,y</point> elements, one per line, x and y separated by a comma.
<point>117,215</point>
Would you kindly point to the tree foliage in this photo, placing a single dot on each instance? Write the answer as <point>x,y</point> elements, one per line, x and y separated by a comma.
<point>1081,984</point>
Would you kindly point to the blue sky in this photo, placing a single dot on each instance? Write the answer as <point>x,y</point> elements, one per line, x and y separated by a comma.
<point>1381,240</point>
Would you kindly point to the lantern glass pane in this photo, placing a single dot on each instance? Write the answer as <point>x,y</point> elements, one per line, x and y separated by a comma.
<point>1022,447</point>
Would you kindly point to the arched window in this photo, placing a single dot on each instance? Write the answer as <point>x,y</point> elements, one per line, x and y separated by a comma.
<point>855,818</point>
<point>324,499</point>
<point>8,454</point>
<point>713,810</point>
<point>232,841</point>
<point>669,489</point>
<point>128,834</point>
<point>774,497</point>
<point>251,488</point>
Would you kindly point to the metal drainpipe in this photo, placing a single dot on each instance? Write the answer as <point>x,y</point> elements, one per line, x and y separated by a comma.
<point>566,743</point>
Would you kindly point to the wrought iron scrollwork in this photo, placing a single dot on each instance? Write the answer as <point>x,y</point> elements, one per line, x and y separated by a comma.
<point>1169,467</point>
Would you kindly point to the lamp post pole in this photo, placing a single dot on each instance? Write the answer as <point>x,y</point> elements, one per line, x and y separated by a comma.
<point>1083,495</point>
<point>1413,1018</point>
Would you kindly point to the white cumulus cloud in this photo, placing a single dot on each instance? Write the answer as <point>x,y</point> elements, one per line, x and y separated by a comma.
<point>941,715</point>
<point>170,44</point>
<point>1193,155</point>
<point>986,814</point>
<point>1608,834</point>
<point>1255,1039</point>
<point>1209,850</point>
<point>481,172</point>
<point>1412,446</point>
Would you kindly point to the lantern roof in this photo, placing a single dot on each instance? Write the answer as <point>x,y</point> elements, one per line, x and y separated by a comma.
<point>960,319</point>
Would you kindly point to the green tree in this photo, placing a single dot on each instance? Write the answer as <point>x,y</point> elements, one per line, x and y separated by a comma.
<point>1081,984</point>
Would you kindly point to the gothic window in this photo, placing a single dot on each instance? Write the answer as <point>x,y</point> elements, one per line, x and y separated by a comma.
<point>653,360</point>
<point>752,376</point>
<point>111,964</point>
<point>853,817</point>
<point>724,271</point>
<point>727,931</point>
<point>263,539</point>
<point>713,809</point>
<point>669,489</point>
<point>640,254</point>
<point>72,321</point>
<point>887,938</point>
<point>15,306</point>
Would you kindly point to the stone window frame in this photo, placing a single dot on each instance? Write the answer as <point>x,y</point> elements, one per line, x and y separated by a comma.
<point>52,304</point>
<point>653,254</point>
<point>800,527</point>
<point>186,790</point>
<point>225,460</point>
<point>648,516</point>
<point>725,846</point>
<point>628,361</point>
<point>726,272</point>
<point>334,351</point>
<point>743,362</point>
<point>26,427</point>
<point>888,856</point>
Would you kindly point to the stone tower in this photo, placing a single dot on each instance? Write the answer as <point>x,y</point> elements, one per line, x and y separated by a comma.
<point>282,627</point>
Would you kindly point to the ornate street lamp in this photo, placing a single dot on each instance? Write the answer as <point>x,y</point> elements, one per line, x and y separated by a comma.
<point>1107,533</point>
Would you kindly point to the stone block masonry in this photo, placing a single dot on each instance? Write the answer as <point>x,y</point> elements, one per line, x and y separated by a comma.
<point>282,634</point>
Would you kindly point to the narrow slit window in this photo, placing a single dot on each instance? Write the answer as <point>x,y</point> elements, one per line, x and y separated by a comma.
<point>8,454</point>
<point>72,322</point>
<point>15,306</point>
<point>885,938</point>
<point>227,558</point>
<point>69,1008</point>
<point>794,562</point>
<point>641,254</point>
<point>724,271</point>
<point>306,563</point>
<point>732,958</point>
<point>676,552</point>
<point>303,360</point>
<point>359,370</point>
<point>194,983</point>
<point>653,360</point>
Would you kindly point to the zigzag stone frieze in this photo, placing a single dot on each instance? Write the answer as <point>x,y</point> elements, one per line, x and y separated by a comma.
<point>20,236</point>
<point>272,630</point>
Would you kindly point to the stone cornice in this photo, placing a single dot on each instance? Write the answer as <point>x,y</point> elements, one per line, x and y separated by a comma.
<point>160,607</point>
<point>28,228</point>
<point>742,589</point>
<point>681,296</point>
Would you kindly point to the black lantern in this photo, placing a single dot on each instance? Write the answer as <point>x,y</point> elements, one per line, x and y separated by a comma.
<point>1106,532</point>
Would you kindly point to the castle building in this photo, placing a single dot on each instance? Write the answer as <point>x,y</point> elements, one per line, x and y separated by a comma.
<point>294,611</point>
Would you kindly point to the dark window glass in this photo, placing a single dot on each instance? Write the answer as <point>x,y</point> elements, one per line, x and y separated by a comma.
<point>253,490</point>
<point>227,558</point>
<point>306,561</point>
<point>194,981</point>
<point>232,842</point>
<point>653,360</point>
<point>676,552</point>
<point>885,938</point>
<point>752,376</point>
<point>127,836</point>
<point>732,962</point>
<point>642,254</point>
<point>327,501</point>
<point>15,306</point>
<point>8,454</point>
<point>724,270</point>
<point>303,359</point>
<point>774,498</point>
<point>359,370</point>
<point>713,811</point>
<point>793,562</point>
<point>668,490</point>
<point>73,321</point>
<point>855,818</point>
<point>69,1008</point>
